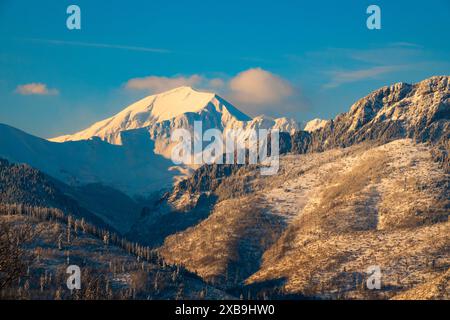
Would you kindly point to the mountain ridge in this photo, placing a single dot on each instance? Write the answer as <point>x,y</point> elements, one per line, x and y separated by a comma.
<point>154,109</point>
<point>129,168</point>
<point>420,111</point>
<point>172,108</point>
<point>158,116</point>
<point>364,189</point>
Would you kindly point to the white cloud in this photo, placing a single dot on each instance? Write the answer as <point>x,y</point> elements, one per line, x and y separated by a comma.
<point>335,67</point>
<point>347,76</point>
<point>36,89</point>
<point>99,45</point>
<point>259,87</point>
<point>254,91</point>
<point>155,84</point>
<point>216,83</point>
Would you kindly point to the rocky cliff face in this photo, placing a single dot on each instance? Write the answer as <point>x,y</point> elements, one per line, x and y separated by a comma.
<point>420,111</point>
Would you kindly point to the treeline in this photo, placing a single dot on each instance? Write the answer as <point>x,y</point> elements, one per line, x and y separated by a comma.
<point>75,226</point>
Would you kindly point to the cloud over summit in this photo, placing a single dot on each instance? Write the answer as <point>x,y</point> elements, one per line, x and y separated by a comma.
<point>253,90</point>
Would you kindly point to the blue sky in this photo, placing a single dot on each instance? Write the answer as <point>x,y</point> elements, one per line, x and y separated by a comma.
<point>319,55</point>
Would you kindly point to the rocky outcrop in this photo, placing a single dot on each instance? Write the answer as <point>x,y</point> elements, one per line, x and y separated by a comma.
<point>314,125</point>
<point>420,111</point>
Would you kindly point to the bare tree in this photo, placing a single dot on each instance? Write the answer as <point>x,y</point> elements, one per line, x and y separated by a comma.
<point>14,260</point>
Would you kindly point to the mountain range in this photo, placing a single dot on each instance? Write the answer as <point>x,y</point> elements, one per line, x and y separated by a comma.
<point>419,111</point>
<point>369,187</point>
<point>131,151</point>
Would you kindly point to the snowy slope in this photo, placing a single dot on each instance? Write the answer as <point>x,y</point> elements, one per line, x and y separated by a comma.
<point>315,124</point>
<point>328,214</point>
<point>131,151</point>
<point>170,105</point>
<point>131,168</point>
<point>161,114</point>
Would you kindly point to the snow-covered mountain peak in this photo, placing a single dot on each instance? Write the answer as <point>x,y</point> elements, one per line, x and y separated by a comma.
<point>170,104</point>
<point>158,108</point>
<point>161,113</point>
<point>315,124</point>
